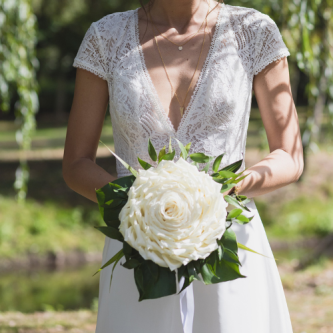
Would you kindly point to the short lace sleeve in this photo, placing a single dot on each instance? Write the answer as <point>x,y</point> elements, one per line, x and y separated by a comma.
<point>269,45</point>
<point>90,55</point>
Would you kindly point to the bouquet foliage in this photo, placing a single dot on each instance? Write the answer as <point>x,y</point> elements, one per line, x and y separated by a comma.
<point>173,217</point>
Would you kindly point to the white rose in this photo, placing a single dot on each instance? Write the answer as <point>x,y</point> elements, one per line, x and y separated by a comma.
<point>174,214</point>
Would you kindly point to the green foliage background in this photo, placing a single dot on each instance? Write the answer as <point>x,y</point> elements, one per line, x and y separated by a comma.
<point>39,40</point>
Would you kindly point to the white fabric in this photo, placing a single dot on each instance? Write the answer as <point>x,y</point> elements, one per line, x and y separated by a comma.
<point>186,301</point>
<point>245,41</point>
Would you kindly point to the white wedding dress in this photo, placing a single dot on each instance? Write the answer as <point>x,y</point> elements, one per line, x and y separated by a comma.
<point>245,41</point>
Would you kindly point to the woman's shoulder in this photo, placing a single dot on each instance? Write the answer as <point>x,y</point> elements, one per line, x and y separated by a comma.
<point>112,24</point>
<point>247,17</point>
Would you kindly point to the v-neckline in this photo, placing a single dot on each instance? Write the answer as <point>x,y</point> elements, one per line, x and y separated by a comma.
<point>156,99</point>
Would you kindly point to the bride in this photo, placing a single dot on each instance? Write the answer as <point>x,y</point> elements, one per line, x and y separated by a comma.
<point>187,69</point>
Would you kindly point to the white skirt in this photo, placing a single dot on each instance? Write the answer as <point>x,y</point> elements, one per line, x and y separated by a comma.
<point>255,304</point>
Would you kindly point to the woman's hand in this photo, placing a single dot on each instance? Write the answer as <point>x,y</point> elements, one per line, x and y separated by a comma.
<point>85,123</point>
<point>284,164</point>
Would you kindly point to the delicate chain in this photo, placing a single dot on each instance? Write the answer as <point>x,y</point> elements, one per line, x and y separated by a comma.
<point>181,109</point>
<point>180,46</point>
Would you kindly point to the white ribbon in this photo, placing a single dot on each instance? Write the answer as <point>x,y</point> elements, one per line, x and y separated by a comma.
<point>186,299</point>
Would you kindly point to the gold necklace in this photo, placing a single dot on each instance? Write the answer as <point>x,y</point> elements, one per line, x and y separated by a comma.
<point>181,108</point>
<point>180,46</point>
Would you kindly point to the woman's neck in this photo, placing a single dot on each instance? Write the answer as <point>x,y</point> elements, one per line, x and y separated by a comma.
<point>179,14</point>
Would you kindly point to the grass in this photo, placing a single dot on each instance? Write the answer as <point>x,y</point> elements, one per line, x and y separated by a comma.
<point>308,293</point>
<point>299,218</point>
<point>40,228</point>
<point>51,137</point>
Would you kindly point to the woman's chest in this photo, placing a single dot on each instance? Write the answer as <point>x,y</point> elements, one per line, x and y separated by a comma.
<point>143,88</point>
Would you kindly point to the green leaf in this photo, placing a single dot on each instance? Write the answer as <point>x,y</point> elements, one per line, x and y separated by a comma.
<point>227,187</point>
<point>234,202</point>
<point>149,287</point>
<point>207,274</point>
<point>217,163</point>
<point>219,180</point>
<point>183,150</point>
<point>229,240</point>
<point>201,158</point>
<point>187,147</point>
<point>241,219</point>
<point>126,165</point>
<point>115,258</point>
<point>233,167</point>
<point>234,213</point>
<point>169,156</point>
<point>241,246</point>
<point>152,151</point>
<point>113,223</point>
<point>127,249</point>
<point>192,273</point>
<point>111,191</point>
<point>161,154</point>
<point>111,233</point>
<point>115,203</point>
<point>131,263</point>
<point>231,256</point>
<point>220,252</point>
<point>144,164</point>
<point>227,174</point>
<point>236,181</point>
<point>100,195</point>
<point>170,146</point>
<point>153,268</point>
<point>206,168</point>
<point>114,266</point>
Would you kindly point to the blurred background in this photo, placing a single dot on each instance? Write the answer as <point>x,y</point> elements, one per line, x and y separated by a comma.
<point>48,246</point>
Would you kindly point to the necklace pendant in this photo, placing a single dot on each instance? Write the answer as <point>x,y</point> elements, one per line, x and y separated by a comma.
<point>180,48</point>
<point>181,109</point>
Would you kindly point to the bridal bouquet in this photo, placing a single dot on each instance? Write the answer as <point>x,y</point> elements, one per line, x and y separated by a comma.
<point>173,217</point>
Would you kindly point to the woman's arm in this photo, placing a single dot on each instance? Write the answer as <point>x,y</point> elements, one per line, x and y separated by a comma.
<point>284,164</point>
<point>85,123</point>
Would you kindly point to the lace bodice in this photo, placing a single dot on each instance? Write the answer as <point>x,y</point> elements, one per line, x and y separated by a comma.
<point>245,41</point>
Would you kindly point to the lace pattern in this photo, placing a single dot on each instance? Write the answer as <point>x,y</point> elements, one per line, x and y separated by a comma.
<point>245,41</point>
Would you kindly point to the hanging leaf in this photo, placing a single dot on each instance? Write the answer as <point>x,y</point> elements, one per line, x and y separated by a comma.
<point>115,258</point>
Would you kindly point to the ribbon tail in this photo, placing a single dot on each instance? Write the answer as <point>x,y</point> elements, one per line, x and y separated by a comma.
<point>186,299</point>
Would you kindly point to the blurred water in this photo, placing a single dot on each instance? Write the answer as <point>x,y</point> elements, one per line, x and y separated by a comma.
<point>71,288</point>
<point>40,290</point>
